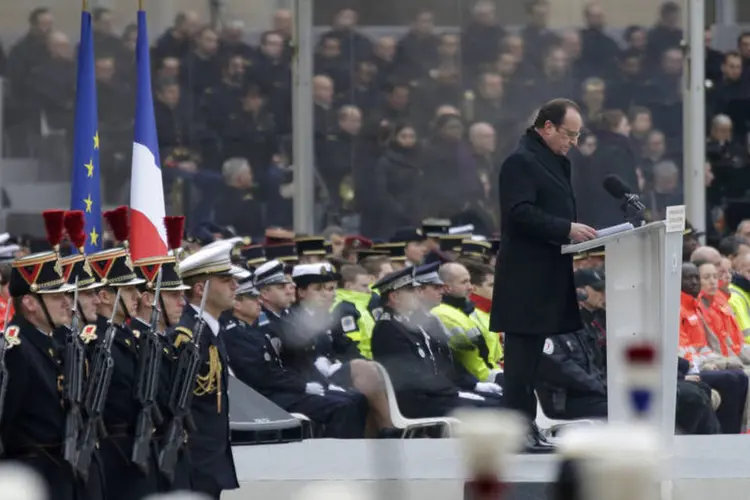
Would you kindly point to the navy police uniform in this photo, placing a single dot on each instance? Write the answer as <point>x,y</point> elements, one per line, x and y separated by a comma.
<point>212,464</point>
<point>570,385</point>
<point>408,354</point>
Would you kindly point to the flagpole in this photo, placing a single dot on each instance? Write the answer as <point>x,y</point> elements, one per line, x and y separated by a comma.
<point>84,5</point>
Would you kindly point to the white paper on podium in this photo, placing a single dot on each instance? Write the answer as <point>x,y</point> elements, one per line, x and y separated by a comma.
<point>619,228</point>
<point>676,219</point>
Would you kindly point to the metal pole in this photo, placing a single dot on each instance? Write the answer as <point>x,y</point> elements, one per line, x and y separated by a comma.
<point>3,211</point>
<point>726,12</point>
<point>302,117</point>
<point>694,116</point>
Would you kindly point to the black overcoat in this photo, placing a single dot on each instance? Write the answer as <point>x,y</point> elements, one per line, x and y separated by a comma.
<point>534,291</point>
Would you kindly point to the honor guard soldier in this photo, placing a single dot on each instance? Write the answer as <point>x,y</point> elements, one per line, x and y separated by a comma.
<point>252,256</point>
<point>256,358</point>
<point>396,253</point>
<point>77,271</point>
<point>170,303</point>
<point>476,347</point>
<point>408,354</point>
<point>209,274</point>
<point>33,428</point>
<point>118,305</point>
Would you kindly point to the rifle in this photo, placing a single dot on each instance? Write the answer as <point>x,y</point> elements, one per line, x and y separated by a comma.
<point>72,393</point>
<point>181,396</point>
<point>95,396</point>
<point>147,386</point>
<point>3,369</point>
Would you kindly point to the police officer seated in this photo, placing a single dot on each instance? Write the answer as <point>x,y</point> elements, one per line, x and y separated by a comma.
<point>326,346</point>
<point>267,355</point>
<point>351,306</point>
<point>430,292</point>
<point>408,354</point>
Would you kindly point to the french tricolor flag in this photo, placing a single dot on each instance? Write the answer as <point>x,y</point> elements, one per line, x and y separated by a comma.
<point>148,237</point>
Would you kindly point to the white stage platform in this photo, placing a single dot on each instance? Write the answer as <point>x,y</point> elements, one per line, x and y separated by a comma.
<point>701,467</point>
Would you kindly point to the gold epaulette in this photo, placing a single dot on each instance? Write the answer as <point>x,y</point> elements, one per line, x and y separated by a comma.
<point>183,335</point>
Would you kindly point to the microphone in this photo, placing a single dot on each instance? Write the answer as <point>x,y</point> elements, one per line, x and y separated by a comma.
<point>618,189</point>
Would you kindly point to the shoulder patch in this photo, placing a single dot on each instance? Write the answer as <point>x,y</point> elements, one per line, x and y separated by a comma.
<point>348,324</point>
<point>88,333</point>
<point>11,336</point>
<point>385,317</point>
<point>549,347</point>
<point>377,312</point>
<point>184,331</point>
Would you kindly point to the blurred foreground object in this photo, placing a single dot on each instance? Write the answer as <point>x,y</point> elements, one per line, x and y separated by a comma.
<point>329,490</point>
<point>20,482</point>
<point>179,495</point>
<point>488,439</point>
<point>609,462</point>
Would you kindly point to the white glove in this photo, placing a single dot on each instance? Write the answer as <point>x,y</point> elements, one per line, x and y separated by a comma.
<point>470,395</point>
<point>493,373</point>
<point>332,387</point>
<point>334,368</point>
<point>315,389</point>
<point>488,387</point>
<point>323,365</point>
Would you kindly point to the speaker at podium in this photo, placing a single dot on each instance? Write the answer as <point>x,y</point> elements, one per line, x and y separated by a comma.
<point>643,269</point>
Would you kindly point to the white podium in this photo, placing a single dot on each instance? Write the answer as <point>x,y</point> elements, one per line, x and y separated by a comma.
<point>643,274</point>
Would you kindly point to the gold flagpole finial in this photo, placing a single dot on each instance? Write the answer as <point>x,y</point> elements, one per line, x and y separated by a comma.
<point>140,5</point>
<point>85,5</point>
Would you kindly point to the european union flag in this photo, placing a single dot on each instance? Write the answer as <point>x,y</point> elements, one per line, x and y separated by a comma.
<point>86,179</point>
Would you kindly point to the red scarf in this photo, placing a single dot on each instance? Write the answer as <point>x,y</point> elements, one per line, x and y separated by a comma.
<point>482,303</point>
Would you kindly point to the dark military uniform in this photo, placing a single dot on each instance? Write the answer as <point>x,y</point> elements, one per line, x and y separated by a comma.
<point>33,429</point>
<point>257,362</point>
<point>124,479</point>
<point>408,353</point>
<point>212,463</point>
<point>570,383</point>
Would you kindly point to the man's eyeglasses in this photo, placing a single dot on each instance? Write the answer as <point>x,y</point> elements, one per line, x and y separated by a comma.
<point>571,134</point>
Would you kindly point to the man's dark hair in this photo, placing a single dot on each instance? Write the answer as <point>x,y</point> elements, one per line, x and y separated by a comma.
<point>554,112</point>
<point>478,271</point>
<point>350,272</point>
<point>374,263</point>
<point>741,36</point>
<point>669,8</point>
<point>630,30</point>
<point>730,245</point>
<point>36,14</point>
<point>266,34</point>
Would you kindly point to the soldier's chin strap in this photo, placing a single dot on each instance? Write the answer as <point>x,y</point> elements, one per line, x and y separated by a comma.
<point>84,319</point>
<point>40,298</point>
<point>164,316</point>
<point>124,309</point>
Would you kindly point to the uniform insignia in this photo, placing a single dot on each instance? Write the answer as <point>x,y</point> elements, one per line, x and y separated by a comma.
<point>421,352</point>
<point>230,326</point>
<point>570,345</point>
<point>51,352</point>
<point>348,324</point>
<point>267,357</point>
<point>276,343</point>
<point>11,336</point>
<point>184,331</point>
<point>549,347</point>
<point>58,268</point>
<point>137,334</point>
<point>385,317</point>
<point>377,312</point>
<point>87,267</point>
<point>129,262</point>
<point>166,351</point>
<point>88,333</point>
<point>127,342</point>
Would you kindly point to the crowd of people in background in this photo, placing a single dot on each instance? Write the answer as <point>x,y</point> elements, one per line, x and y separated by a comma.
<point>405,127</point>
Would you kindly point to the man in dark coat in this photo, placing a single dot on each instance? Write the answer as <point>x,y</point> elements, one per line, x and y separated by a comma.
<point>534,294</point>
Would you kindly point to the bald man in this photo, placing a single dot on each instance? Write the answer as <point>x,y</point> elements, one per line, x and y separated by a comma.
<point>706,254</point>
<point>476,348</point>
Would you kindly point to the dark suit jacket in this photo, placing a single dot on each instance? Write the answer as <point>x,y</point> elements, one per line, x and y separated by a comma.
<point>534,290</point>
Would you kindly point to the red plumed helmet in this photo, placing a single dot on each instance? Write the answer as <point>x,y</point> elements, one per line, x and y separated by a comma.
<point>119,223</point>
<point>75,223</point>
<point>175,225</point>
<point>53,225</point>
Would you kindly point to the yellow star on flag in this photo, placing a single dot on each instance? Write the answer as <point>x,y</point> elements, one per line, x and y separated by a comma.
<point>90,168</point>
<point>94,237</point>
<point>96,141</point>
<point>88,201</point>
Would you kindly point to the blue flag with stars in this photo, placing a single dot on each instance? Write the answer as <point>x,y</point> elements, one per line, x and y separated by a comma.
<point>86,178</point>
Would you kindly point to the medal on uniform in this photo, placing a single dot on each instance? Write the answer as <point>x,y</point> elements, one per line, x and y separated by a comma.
<point>267,357</point>
<point>421,352</point>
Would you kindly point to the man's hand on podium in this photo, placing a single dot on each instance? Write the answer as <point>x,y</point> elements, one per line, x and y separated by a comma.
<point>581,232</point>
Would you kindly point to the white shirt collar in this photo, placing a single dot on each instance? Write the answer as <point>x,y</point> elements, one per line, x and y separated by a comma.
<point>211,322</point>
